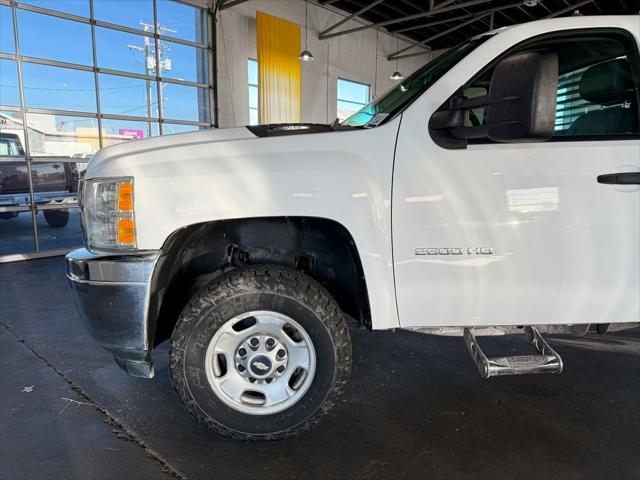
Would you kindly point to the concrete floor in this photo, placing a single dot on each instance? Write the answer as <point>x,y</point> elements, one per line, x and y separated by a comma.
<point>415,408</point>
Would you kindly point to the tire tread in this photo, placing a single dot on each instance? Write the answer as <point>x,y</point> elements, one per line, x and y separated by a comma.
<point>284,281</point>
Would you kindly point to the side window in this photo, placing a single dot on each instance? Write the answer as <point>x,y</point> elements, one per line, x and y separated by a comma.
<point>252,78</point>
<point>352,96</point>
<point>597,92</point>
<point>599,99</point>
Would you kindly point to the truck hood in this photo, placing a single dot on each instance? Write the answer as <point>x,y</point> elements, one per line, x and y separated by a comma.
<point>128,151</point>
<point>181,142</point>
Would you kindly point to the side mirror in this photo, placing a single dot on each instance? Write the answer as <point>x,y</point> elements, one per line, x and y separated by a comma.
<point>520,105</point>
<point>523,98</point>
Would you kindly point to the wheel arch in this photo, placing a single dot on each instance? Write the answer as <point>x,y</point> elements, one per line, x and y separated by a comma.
<point>193,255</point>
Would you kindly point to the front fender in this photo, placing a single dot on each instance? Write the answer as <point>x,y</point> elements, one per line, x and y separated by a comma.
<point>344,176</point>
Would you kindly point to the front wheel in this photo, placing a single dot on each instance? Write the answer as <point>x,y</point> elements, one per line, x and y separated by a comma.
<point>261,353</point>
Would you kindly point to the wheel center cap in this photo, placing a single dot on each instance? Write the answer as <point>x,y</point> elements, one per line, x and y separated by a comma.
<point>260,365</point>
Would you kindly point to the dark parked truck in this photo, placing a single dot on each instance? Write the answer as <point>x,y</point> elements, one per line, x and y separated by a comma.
<point>53,182</point>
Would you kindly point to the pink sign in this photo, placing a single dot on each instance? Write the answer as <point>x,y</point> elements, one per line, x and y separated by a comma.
<point>137,134</point>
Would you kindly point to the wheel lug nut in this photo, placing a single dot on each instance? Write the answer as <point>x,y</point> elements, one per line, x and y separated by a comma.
<point>281,353</point>
<point>241,368</point>
<point>254,342</point>
<point>252,380</point>
<point>271,342</point>
<point>268,380</point>
<point>280,369</point>
<point>242,352</point>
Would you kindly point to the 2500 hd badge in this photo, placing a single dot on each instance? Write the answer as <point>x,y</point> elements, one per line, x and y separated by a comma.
<point>455,251</point>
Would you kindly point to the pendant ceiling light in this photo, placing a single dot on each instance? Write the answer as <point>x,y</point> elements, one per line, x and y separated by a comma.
<point>305,55</point>
<point>397,75</point>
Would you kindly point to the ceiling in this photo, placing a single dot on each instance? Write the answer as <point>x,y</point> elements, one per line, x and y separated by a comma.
<point>449,22</point>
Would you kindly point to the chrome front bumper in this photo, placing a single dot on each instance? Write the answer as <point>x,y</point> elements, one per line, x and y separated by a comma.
<point>111,293</point>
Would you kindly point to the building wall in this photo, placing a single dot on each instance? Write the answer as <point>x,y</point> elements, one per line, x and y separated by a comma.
<point>352,57</point>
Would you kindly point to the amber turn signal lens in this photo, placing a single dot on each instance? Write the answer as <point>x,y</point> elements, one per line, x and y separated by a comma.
<point>126,231</point>
<point>125,197</point>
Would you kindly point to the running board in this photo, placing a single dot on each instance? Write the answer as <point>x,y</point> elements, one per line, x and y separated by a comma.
<point>546,360</point>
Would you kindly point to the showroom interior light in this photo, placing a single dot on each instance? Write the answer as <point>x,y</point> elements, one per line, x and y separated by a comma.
<point>397,75</point>
<point>306,55</point>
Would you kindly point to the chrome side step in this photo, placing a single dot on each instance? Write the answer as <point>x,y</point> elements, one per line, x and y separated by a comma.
<point>546,360</point>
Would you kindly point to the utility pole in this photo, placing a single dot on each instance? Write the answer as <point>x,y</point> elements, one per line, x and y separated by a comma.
<point>149,52</point>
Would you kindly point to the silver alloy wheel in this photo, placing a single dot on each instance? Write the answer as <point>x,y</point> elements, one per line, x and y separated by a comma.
<point>260,362</point>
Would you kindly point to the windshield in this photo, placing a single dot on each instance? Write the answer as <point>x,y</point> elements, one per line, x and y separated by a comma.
<point>375,112</point>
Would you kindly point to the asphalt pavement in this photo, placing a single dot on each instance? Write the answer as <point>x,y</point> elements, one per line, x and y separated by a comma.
<point>416,408</point>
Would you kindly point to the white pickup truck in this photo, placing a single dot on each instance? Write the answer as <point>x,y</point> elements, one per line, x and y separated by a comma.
<point>496,190</point>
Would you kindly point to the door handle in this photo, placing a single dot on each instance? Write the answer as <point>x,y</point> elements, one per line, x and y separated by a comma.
<point>625,178</point>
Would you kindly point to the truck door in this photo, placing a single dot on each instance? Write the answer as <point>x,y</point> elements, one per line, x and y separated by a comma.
<point>525,233</point>
<point>49,177</point>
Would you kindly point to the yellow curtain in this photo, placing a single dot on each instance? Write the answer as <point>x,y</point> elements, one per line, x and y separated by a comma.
<point>279,78</point>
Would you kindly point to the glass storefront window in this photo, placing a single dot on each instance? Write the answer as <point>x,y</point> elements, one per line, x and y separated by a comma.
<point>9,93</point>
<point>129,13</point>
<point>62,136</point>
<point>64,88</point>
<point>124,51</point>
<point>59,229</point>
<point>184,62</point>
<point>67,120</point>
<point>128,96</point>
<point>74,7</point>
<point>16,229</point>
<point>72,42</point>
<point>118,131</point>
<point>181,102</point>
<point>136,53</point>
<point>183,21</point>
<point>7,41</point>
<point>55,183</point>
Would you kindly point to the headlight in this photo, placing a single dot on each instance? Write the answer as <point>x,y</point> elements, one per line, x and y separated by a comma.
<point>107,213</point>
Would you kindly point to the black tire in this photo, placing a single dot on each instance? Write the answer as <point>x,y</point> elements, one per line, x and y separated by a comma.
<point>56,218</point>
<point>264,287</point>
